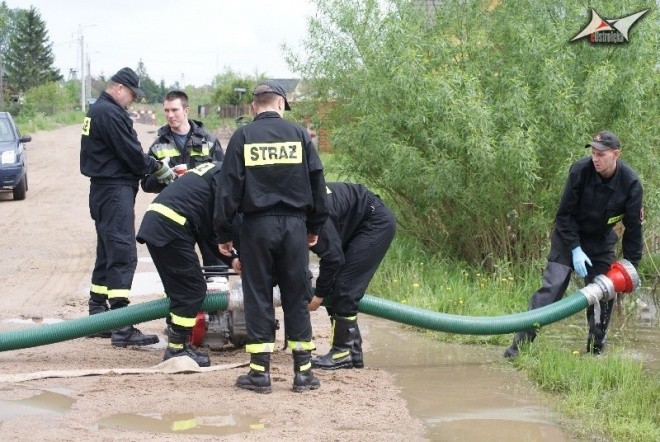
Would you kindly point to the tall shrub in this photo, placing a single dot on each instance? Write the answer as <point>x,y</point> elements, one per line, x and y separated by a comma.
<point>467,114</point>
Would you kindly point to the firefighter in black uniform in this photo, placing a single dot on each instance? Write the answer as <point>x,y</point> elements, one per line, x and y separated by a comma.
<point>180,216</point>
<point>184,142</point>
<point>601,190</point>
<point>112,157</point>
<point>352,243</point>
<point>273,176</point>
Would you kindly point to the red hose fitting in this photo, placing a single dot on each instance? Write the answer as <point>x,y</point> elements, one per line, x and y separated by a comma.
<point>624,276</point>
<point>199,330</point>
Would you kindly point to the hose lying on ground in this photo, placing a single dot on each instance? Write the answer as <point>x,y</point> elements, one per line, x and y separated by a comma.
<point>622,277</point>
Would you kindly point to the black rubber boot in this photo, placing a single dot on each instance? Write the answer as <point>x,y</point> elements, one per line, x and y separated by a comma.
<point>343,337</point>
<point>356,350</point>
<point>130,335</point>
<point>303,378</point>
<point>598,332</point>
<point>98,304</point>
<point>521,337</point>
<point>258,378</point>
<point>179,345</point>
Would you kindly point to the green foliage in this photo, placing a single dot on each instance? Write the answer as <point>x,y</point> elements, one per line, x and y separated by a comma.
<point>49,99</point>
<point>610,395</point>
<point>153,92</point>
<point>468,118</point>
<point>28,60</point>
<point>225,85</point>
<point>40,121</point>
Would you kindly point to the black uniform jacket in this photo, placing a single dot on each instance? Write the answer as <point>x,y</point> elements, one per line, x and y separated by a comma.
<point>109,147</point>
<point>201,147</point>
<point>184,210</point>
<point>347,206</point>
<point>590,207</point>
<point>271,166</point>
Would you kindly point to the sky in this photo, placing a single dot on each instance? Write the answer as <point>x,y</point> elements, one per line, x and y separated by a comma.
<point>189,41</point>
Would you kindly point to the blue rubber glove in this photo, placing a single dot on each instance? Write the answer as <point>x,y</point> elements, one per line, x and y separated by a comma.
<point>580,261</point>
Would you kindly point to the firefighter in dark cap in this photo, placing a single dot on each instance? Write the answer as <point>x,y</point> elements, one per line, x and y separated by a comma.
<point>112,157</point>
<point>601,191</point>
<point>273,176</point>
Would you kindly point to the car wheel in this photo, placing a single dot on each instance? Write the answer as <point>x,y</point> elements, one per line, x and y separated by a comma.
<point>20,190</point>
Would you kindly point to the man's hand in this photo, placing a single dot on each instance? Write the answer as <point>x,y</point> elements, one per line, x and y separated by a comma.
<point>314,303</point>
<point>164,174</point>
<point>580,261</point>
<point>226,248</point>
<point>312,239</point>
<point>236,265</point>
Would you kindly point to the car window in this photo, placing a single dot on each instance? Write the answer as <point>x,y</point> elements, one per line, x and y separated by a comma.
<point>5,131</point>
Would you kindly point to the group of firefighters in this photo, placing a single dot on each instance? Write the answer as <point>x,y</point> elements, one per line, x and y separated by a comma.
<point>260,207</point>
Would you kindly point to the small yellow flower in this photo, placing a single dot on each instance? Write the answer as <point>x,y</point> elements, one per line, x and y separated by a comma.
<point>460,301</point>
<point>576,353</point>
<point>415,285</point>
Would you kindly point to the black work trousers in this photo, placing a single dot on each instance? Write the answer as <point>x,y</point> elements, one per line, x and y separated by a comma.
<point>178,266</point>
<point>112,207</point>
<point>274,250</point>
<point>557,275</point>
<point>363,254</point>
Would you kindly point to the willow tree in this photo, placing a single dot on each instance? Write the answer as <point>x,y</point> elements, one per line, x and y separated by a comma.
<point>467,114</point>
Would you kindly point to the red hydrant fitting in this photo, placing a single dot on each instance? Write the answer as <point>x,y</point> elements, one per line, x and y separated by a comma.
<point>624,279</point>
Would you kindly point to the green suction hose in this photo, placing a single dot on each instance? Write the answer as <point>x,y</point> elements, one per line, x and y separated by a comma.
<point>473,325</point>
<point>370,305</point>
<point>81,327</point>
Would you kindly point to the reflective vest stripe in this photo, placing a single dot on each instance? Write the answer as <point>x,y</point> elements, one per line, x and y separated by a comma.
<point>167,213</point>
<point>266,347</point>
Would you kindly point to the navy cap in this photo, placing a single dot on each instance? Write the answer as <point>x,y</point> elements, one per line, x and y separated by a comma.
<point>269,86</point>
<point>130,79</point>
<point>604,140</point>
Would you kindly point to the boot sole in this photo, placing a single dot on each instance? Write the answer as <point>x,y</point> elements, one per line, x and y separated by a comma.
<point>256,389</point>
<point>344,365</point>
<point>137,344</point>
<point>302,388</point>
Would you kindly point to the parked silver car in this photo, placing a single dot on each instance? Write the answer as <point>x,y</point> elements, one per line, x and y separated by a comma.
<point>13,165</point>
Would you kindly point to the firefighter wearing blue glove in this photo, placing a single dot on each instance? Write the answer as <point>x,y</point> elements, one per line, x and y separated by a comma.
<point>601,191</point>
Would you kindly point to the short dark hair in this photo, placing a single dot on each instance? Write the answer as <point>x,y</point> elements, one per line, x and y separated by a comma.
<point>173,95</point>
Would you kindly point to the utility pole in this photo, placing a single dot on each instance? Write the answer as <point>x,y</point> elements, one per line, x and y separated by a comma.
<point>82,71</point>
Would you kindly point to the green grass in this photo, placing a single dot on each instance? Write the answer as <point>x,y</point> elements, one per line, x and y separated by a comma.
<point>608,397</point>
<point>38,122</point>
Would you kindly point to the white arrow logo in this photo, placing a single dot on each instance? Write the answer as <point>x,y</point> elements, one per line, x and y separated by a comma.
<point>622,25</point>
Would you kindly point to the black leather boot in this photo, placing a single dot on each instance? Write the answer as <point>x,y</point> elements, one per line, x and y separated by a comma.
<point>179,345</point>
<point>130,335</point>
<point>521,337</point>
<point>356,350</point>
<point>303,379</point>
<point>258,378</point>
<point>98,304</point>
<point>343,337</point>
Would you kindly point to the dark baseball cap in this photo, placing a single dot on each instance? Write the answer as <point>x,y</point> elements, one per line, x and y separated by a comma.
<point>270,86</point>
<point>128,78</point>
<point>604,140</point>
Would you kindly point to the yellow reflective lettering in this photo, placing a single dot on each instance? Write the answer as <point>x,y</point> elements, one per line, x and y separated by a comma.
<point>266,154</point>
<point>87,123</point>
